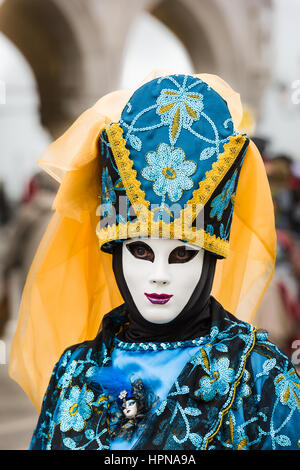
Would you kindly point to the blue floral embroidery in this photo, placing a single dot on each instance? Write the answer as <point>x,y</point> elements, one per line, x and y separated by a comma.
<point>179,108</point>
<point>76,410</point>
<point>71,371</point>
<point>243,390</point>
<point>221,202</point>
<point>170,171</point>
<point>287,386</point>
<point>210,229</point>
<point>221,230</point>
<point>108,194</point>
<point>221,375</point>
<point>135,142</point>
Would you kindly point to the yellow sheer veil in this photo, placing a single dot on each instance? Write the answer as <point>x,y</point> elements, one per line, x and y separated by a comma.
<point>71,285</point>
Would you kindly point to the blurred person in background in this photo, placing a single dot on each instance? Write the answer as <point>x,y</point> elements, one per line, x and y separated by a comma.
<point>295,187</point>
<point>20,238</point>
<point>5,210</point>
<point>279,311</point>
<point>5,213</point>
<point>280,179</point>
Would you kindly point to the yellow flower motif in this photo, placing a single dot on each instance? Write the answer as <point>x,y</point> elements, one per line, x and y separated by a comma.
<point>179,108</point>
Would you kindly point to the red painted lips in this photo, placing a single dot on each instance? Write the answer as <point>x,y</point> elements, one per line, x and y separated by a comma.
<point>158,298</point>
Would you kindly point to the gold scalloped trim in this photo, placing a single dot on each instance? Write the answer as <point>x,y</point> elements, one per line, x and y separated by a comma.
<point>214,176</point>
<point>144,228</point>
<point>124,164</point>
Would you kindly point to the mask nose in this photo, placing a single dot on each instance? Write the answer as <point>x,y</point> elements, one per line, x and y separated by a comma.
<point>159,282</point>
<point>159,275</point>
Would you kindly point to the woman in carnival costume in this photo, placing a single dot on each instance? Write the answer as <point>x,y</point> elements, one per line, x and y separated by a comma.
<point>141,295</point>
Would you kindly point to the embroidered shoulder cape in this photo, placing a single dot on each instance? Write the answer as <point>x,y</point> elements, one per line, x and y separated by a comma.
<point>238,391</point>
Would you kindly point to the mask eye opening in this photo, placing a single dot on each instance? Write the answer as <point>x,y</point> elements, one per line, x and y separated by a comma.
<point>182,254</point>
<point>141,250</point>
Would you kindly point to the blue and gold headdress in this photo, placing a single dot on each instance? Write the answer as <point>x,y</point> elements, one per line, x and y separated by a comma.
<point>170,166</point>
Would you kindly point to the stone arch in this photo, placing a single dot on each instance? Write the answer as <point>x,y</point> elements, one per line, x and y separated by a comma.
<point>75,48</point>
<point>179,18</point>
<point>44,36</point>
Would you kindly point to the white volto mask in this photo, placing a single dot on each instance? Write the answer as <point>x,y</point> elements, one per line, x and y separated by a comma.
<point>161,275</point>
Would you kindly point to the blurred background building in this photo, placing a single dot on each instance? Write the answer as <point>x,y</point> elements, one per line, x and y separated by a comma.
<point>58,57</point>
